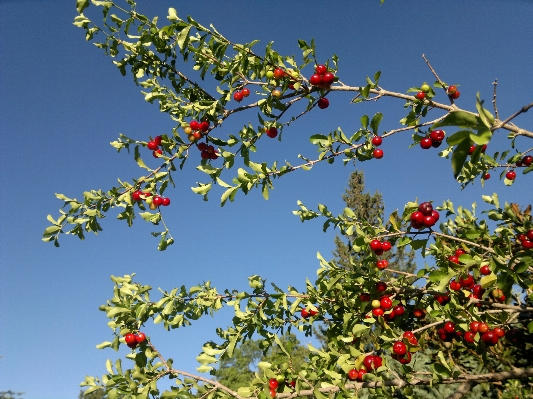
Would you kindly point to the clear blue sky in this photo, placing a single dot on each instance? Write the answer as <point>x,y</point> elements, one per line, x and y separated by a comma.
<point>62,101</point>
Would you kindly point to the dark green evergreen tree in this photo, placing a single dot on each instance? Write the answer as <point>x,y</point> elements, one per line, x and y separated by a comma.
<point>239,370</point>
<point>370,208</point>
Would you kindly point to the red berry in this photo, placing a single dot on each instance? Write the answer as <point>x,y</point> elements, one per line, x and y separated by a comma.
<point>389,316</point>
<point>417,217</point>
<point>204,154</point>
<point>500,333</point>
<point>375,245</point>
<point>527,160</point>
<point>420,95</point>
<point>315,80</point>
<point>273,392</point>
<point>399,348</point>
<point>365,297</point>
<point>130,339</point>
<point>136,195</point>
<point>140,337</point>
<point>305,313</point>
<point>323,103</point>
<point>378,153</point>
<point>429,221</point>
<point>437,135</point>
<point>381,286</point>
<point>408,334</point>
<point>449,327</point>
<point>279,73</point>
<point>452,89</point>
<point>485,270</point>
<point>486,176</point>
<point>132,345</point>
<point>467,282</point>
<point>489,338</point>
<point>469,337</point>
<point>202,146</point>
<point>204,126</point>
<point>426,208</point>
<point>399,310</point>
<point>157,200</point>
<point>245,92</point>
<point>361,373</point>
<point>328,78</point>
<point>405,359</point>
<point>511,175</point>
<point>166,202</point>
<point>372,362</point>
<point>455,95</point>
<point>156,153</point>
<point>273,383</point>
<point>157,140</point>
<point>454,259</point>
<point>321,69</point>
<point>426,143</point>
<point>419,313</point>
<point>527,244</point>
<point>353,374</point>
<point>272,132</point>
<point>152,145</point>
<point>194,125</point>
<point>529,235</point>
<point>482,328</point>
<point>386,303</point>
<point>238,96</point>
<point>378,312</point>
<point>386,246</point>
<point>376,140</point>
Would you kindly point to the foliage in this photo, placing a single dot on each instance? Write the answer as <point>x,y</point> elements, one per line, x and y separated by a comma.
<point>10,394</point>
<point>456,248</point>
<point>239,370</point>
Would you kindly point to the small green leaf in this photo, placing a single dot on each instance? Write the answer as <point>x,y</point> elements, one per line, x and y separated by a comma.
<point>376,120</point>
<point>459,157</point>
<point>460,119</point>
<point>82,5</point>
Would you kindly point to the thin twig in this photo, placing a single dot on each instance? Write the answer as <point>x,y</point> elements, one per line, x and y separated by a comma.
<point>436,76</point>
<point>525,108</point>
<point>495,83</point>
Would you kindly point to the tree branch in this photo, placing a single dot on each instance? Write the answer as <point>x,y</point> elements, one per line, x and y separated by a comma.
<point>463,389</point>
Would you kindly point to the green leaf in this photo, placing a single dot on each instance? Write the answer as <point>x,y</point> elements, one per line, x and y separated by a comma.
<point>51,230</point>
<point>364,121</point>
<point>458,137</point>
<point>459,157</point>
<point>103,345</point>
<point>319,139</point>
<point>183,37</point>
<point>530,327</point>
<point>172,14</point>
<point>484,115</point>
<point>82,5</point>
<point>482,137</point>
<point>441,371</point>
<point>460,119</point>
<point>376,120</point>
<point>487,281</point>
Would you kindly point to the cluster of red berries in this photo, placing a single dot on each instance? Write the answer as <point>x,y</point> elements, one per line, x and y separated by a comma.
<point>453,92</point>
<point>208,151</point>
<point>196,130</point>
<point>448,332</point>
<point>526,239</point>
<point>421,95</point>
<point>443,299</point>
<point>271,132</point>
<point>425,216</point>
<point>370,363</point>
<point>379,247</point>
<point>401,350</point>
<point>307,313</point>
<point>526,161</point>
<point>378,152</point>
<point>488,336</point>
<point>433,140</point>
<point>322,77</point>
<point>273,385</point>
<point>138,195</point>
<point>240,94</point>
<point>154,146</point>
<point>132,340</point>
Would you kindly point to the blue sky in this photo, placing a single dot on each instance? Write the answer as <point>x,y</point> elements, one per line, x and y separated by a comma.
<point>62,101</point>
